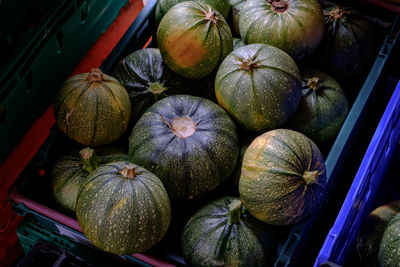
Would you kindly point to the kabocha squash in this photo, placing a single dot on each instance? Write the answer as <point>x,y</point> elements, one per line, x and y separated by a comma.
<point>259,86</point>
<point>370,234</point>
<point>123,208</point>
<point>92,108</point>
<point>348,47</point>
<point>222,6</point>
<point>236,7</point>
<point>295,26</point>
<point>323,107</point>
<point>71,170</point>
<point>147,79</point>
<point>189,142</point>
<point>222,233</point>
<point>283,177</point>
<point>193,39</point>
<point>390,243</point>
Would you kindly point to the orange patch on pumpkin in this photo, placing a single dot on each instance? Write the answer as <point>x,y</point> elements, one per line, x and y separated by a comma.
<point>185,48</point>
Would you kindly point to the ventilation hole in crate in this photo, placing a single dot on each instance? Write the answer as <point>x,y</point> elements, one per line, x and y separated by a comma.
<point>28,81</point>
<point>84,11</point>
<point>59,39</point>
<point>2,115</point>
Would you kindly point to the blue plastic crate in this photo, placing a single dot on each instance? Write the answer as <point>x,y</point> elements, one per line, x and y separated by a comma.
<point>368,181</point>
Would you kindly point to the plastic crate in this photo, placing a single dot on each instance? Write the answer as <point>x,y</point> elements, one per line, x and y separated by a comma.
<point>31,77</point>
<point>355,133</point>
<point>62,249</point>
<point>375,178</point>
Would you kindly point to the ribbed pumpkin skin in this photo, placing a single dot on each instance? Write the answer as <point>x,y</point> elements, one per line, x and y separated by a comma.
<point>92,113</point>
<point>298,30</point>
<point>322,110</point>
<point>191,166</point>
<point>210,239</point>
<point>123,215</point>
<point>222,6</point>
<point>349,46</point>
<point>264,97</point>
<point>272,186</point>
<point>190,44</point>
<point>147,79</point>
<point>237,43</point>
<point>68,174</point>
<point>370,235</point>
<point>236,7</point>
<point>390,243</point>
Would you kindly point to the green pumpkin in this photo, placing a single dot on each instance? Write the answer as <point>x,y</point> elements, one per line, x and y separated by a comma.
<point>283,177</point>
<point>147,79</point>
<point>236,7</point>
<point>189,142</point>
<point>92,108</point>
<point>259,86</point>
<point>71,170</point>
<point>295,26</point>
<point>237,43</point>
<point>222,233</point>
<point>123,208</point>
<point>389,248</point>
<point>323,107</point>
<point>163,6</point>
<point>193,39</point>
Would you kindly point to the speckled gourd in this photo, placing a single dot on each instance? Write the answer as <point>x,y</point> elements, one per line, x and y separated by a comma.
<point>295,26</point>
<point>283,177</point>
<point>322,109</point>
<point>223,233</point>
<point>71,170</point>
<point>236,7</point>
<point>259,86</point>
<point>193,39</point>
<point>92,108</point>
<point>189,142</point>
<point>123,208</point>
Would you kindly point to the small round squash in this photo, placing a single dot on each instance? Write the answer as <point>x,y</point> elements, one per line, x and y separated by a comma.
<point>389,255</point>
<point>123,208</point>
<point>222,233</point>
<point>193,39</point>
<point>283,177</point>
<point>92,108</point>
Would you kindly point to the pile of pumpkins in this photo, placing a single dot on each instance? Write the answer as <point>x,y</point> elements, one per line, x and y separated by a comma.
<point>206,109</point>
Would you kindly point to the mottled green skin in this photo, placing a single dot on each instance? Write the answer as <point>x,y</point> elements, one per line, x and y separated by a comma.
<point>92,113</point>
<point>264,97</point>
<point>389,249</point>
<point>272,187</point>
<point>192,166</point>
<point>123,215</point>
<point>370,235</point>
<point>68,174</point>
<point>189,19</point>
<point>222,6</point>
<point>349,46</point>
<point>237,43</point>
<point>141,73</point>
<point>298,30</point>
<point>236,7</point>
<point>211,239</point>
<point>322,112</point>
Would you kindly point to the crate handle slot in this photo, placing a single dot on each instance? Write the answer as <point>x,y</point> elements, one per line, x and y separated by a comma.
<point>59,41</point>
<point>84,11</point>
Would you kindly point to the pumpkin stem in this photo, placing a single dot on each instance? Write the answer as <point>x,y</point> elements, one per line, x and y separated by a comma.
<point>314,83</point>
<point>235,211</point>
<point>181,126</point>
<point>212,16</point>
<point>279,5</point>
<point>248,64</point>
<point>89,159</point>
<point>95,75</point>
<point>335,14</point>
<point>128,172</point>
<point>310,177</point>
